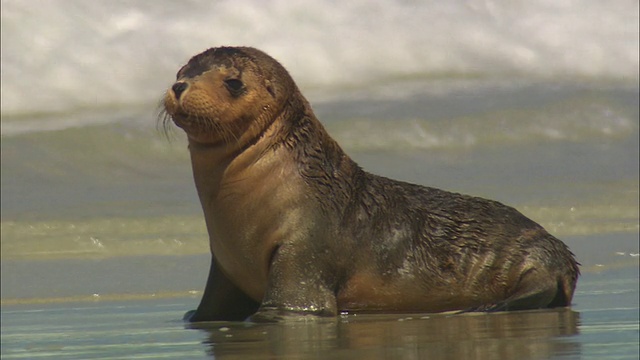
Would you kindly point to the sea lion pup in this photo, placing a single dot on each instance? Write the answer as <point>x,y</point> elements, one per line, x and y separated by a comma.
<point>296,227</point>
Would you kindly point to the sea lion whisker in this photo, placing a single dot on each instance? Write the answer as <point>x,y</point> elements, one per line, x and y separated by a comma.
<point>163,123</point>
<point>208,125</point>
<point>229,136</point>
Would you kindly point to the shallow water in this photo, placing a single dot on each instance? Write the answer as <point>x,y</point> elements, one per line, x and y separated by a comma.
<point>131,307</point>
<point>603,324</point>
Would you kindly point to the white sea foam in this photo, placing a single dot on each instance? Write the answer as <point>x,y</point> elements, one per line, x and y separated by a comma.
<point>60,55</point>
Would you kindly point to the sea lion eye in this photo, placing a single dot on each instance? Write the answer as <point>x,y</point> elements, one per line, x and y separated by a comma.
<point>235,86</point>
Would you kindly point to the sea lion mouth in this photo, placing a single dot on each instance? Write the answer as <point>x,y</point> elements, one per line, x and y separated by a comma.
<point>199,128</point>
<point>183,118</point>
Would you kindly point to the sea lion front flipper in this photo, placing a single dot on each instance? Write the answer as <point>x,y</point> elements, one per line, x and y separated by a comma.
<point>297,287</point>
<point>222,300</point>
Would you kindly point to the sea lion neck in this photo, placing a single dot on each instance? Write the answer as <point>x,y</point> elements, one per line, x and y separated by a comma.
<point>216,165</point>
<point>264,134</point>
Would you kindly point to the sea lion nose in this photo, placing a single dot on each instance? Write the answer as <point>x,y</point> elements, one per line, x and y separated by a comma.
<point>178,88</point>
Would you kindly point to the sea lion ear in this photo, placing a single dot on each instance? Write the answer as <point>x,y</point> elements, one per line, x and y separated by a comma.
<point>178,74</point>
<point>270,88</point>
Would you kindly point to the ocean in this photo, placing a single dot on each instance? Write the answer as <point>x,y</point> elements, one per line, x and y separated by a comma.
<point>534,104</point>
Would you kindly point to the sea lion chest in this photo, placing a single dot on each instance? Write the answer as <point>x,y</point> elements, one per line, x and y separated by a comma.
<point>251,208</point>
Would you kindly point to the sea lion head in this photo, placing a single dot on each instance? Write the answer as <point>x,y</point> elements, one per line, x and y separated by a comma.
<point>228,95</point>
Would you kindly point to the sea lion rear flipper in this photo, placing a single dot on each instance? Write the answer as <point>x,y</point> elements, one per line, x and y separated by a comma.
<point>536,290</point>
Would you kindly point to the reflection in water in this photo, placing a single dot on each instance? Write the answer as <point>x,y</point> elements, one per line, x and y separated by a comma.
<point>510,335</point>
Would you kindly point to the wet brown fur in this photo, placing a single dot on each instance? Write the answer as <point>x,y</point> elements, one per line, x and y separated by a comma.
<point>297,227</point>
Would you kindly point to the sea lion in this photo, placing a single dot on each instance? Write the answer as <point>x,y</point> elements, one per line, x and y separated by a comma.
<point>296,227</point>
